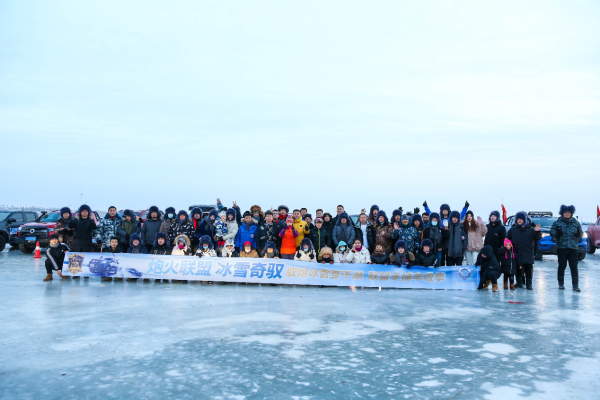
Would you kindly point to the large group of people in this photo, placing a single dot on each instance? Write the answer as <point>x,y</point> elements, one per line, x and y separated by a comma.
<point>428,239</point>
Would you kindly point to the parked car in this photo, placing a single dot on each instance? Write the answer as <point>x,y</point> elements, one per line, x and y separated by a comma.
<point>40,230</point>
<point>10,221</point>
<point>206,208</point>
<point>546,245</point>
<point>593,234</point>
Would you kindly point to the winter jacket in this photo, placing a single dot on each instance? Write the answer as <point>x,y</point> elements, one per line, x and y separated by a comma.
<point>210,251</point>
<point>165,225</point>
<point>106,229</point>
<point>489,262</point>
<point>496,233</point>
<point>407,259</point>
<point>320,238</point>
<point>359,257</point>
<point>455,238</point>
<point>140,249</point>
<point>56,255</point>
<point>116,250</point>
<point>187,250</point>
<point>196,224</point>
<point>475,238</point>
<point>383,236</point>
<point>150,228</point>
<point>343,232</point>
<point>301,255</point>
<point>339,256</point>
<point>252,254</point>
<point>207,227</point>
<point>128,228</point>
<point>65,235</point>
<point>228,254</point>
<point>246,234</point>
<point>180,227</point>
<point>288,240</point>
<point>508,261</point>
<point>447,207</point>
<point>266,233</point>
<point>408,234</point>
<point>266,254</point>
<point>83,229</point>
<point>325,256</point>
<point>524,239</point>
<point>426,260</point>
<point>433,233</point>
<point>371,233</point>
<point>302,229</point>
<point>164,250</point>
<point>566,233</point>
<point>232,229</point>
<point>381,258</point>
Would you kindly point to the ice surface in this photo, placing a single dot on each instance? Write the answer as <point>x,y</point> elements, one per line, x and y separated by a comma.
<point>83,338</point>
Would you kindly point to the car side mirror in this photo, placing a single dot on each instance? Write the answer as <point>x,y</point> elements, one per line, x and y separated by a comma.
<point>10,220</point>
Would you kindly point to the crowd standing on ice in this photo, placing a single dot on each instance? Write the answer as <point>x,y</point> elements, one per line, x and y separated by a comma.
<point>430,239</point>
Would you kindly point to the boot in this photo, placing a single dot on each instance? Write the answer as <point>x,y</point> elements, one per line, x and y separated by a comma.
<point>495,288</point>
<point>505,285</point>
<point>561,285</point>
<point>512,286</point>
<point>529,283</point>
<point>131,279</point>
<point>48,278</point>
<point>576,285</point>
<point>106,279</point>
<point>486,284</point>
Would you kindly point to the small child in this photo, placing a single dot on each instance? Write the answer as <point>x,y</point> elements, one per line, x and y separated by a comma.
<point>161,245</point>
<point>426,257</point>
<point>221,229</point>
<point>306,251</point>
<point>379,256</point>
<point>135,245</point>
<point>341,251</point>
<point>402,257</point>
<point>508,263</point>
<point>55,257</point>
<point>326,255</point>
<point>270,250</point>
<point>228,249</point>
<point>248,251</point>
<point>359,253</point>
<point>183,246</point>
<point>114,246</point>
<point>205,247</point>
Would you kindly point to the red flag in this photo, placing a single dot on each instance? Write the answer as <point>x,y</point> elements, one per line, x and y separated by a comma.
<point>504,216</point>
<point>597,211</point>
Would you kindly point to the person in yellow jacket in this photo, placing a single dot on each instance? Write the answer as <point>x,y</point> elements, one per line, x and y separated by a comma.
<point>300,226</point>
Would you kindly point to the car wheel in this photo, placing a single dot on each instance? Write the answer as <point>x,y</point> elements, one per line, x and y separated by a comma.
<point>14,245</point>
<point>591,245</point>
<point>538,255</point>
<point>25,249</point>
<point>581,256</point>
<point>2,243</point>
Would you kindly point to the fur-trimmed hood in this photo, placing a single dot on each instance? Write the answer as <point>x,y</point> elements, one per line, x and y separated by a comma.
<point>564,209</point>
<point>400,243</point>
<point>205,239</point>
<point>64,210</point>
<point>180,213</point>
<point>521,215</point>
<point>230,211</point>
<point>427,242</point>
<point>330,217</point>
<point>135,236</point>
<point>454,214</point>
<point>445,207</point>
<point>416,217</point>
<point>341,243</point>
<point>306,241</point>
<point>373,207</point>
<point>341,216</point>
<point>497,214</point>
<point>396,212</point>
<point>326,250</point>
<point>184,238</point>
<point>161,235</point>
<point>379,214</point>
<point>196,210</point>
<point>85,207</point>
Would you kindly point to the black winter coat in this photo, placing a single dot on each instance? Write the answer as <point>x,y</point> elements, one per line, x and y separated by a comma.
<point>433,233</point>
<point>56,255</point>
<point>495,236</point>
<point>149,230</point>
<point>266,233</point>
<point>83,229</point>
<point>320,238</point>
<point>524,241</point>
<point>426,260</point>
<point>163,250</point>
<point>452,243</point>
<point>382,259</point>
<point>118,249</point>
<point>507,261</point>
<point>370,235</point>
<point>489,262</point>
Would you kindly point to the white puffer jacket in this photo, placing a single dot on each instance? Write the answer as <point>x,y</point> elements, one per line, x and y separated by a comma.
<point>305,256</point>
<point>339,257</point>
<point>359,257</point>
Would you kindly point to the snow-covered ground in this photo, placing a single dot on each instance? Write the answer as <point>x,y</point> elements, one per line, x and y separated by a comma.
<point>87,339</point>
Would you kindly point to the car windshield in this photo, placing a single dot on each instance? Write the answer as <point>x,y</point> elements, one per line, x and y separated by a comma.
<point>3,215</point>
<point>545,222</point>
<point>50,217</point>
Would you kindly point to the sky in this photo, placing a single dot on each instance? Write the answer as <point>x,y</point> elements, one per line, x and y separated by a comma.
<point>304,104</point>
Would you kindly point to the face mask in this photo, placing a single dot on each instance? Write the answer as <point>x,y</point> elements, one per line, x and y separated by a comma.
<point>229,249</point>
<point>247,251</point>
<point>181,246</point>
<point>306,249</point>
<point>205,248</point>
<point>342,248</point>
<point>170,216</point>
<point>434,223</point>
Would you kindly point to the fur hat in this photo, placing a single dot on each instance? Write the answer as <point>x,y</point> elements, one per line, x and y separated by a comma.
<point>564,209</point>
<point>326,250</point>
<point>84,207</point>
<point>373,207</point>
<point>306,241</point>
<point>341,216</point>
<point>405,217</point>
<point>135,236</point>
<point>64,210</point>
<point>195,211</point>
<point>231,211</point>
<point>454,214</point>
<point>153,209</point>
<point>213,212</point>
<point>129,213</point>
<point>497,214</point>
<point>161,235</point>
<point>400,243</point>
<point>427,242</point>
<point>205,239</point>
<point>183,212</point>
<point>396,212</point>
<point>417,217</point>
<point>282,207</point>
<point>470,213</point>
<point>434,215</point>
<point>170,210</point>
<point>444,207</point>
<point>381,213</point>
<point>270,245</point>
<point>521,215</point>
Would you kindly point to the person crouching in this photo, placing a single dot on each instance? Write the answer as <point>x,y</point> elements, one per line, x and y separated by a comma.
<point>248,251</point>
<point>379,256</point>
<point>55,256</point>
<point>402,257</point>
<point>326,255</point>
<point>490,268</point>
<point>228,249</point>
<point>205,247</point>
<point>306,251</point>
<point>427,257</point>
<point>359,253</point>
<point>270,250</point>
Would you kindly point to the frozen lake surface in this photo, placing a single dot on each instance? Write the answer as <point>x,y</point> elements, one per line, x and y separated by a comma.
<point>86,339</point>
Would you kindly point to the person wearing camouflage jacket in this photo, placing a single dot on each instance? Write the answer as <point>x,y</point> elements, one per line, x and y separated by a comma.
<point>182,226</point>
<point>108,228</point>
<point>566,232</point>
<point>404,231</point>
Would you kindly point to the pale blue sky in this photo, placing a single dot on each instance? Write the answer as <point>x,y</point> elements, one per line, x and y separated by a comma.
<point>305,104</point>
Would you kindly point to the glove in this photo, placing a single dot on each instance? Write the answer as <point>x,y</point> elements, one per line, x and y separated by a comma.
<point>298,254</point>
<point>578,234</point>
<point>417,210</point>
<point>408,266</point>
<point>467,204</point>
<point>559,232</point>
<point>311,256</point>
<point>99,243</point>
<point>401,210</point>
<point>425,204</point>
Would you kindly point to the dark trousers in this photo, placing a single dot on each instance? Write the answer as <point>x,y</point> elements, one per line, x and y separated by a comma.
<point>451,261</point>
<point>509,278</point>
<point>148,246</point>
<point>443,258</point>
<point>288,256</point>
<point>570,256</point>
<point>50,267</point>
<point>81,246</point>
<point>528,270</point>
<point>489,275</point>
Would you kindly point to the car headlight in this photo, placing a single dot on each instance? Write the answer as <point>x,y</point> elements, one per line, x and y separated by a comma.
<point>585,235</point>
<point>545,235</point>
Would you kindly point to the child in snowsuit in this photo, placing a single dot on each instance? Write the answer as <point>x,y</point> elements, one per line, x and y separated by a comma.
<point>379,256</point>
<point>270,250</point>
<point>359,253</point>
<point>341,251</point>
<point>161,245</point>
<point>427,257</point>
<point>508,262</point>
<point>135,245</point>
<point>55,256</point>
<point>306,251</point>
<point>228,249</point>
<point>402,257</point>
<point>248,251</point>
<point>221,229</point>
<point>326,255</point>
<point>205,247</point>
<point>183,246</point>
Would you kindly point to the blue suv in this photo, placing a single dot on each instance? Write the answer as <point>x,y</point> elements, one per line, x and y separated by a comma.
<point>546,245</point>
